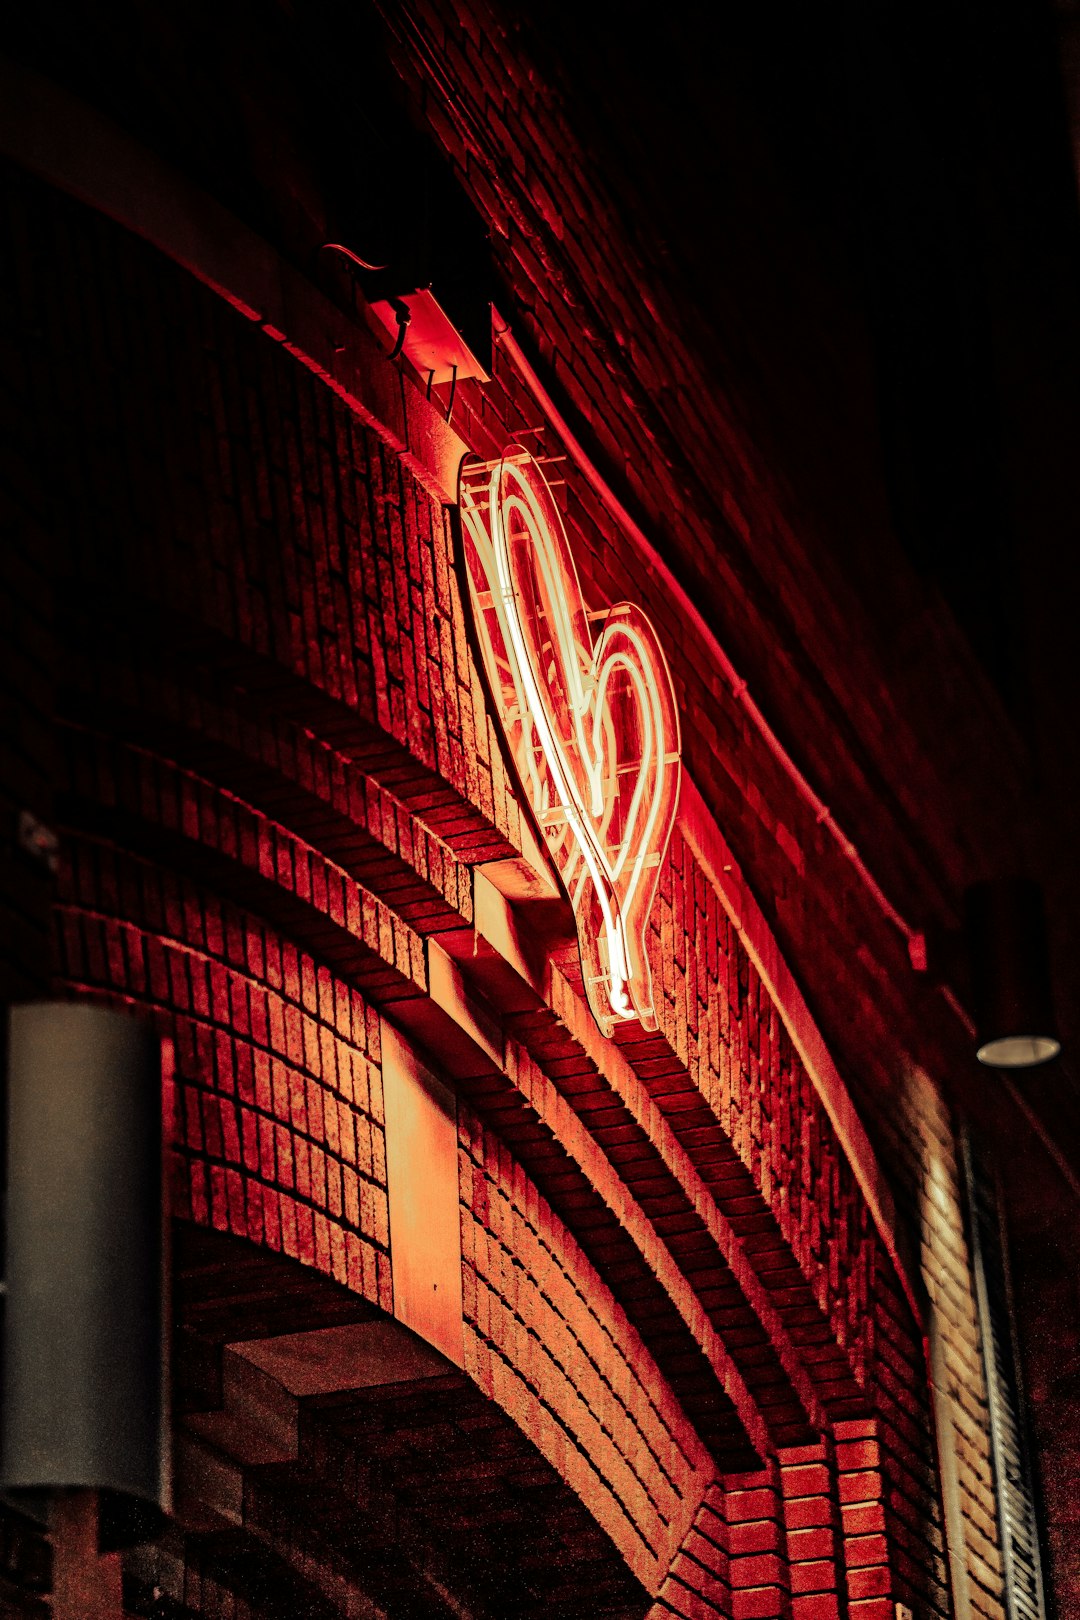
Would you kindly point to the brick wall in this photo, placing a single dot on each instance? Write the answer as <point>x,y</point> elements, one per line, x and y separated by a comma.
<point>276,778</point>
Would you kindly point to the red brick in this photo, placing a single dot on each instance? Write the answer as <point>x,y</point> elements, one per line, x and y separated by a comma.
<point>858,1454</point>
<point>812,1480</point>
<point>754,1504</point>
<point>860,1487</point>
<point>795,1456</point>
<point>863,1520</point>
<point>806,1512</point>
<point>874,1582</point>
<point>758,1570</point>
<point>762,1536</point>
<point>814,1577</point>
<point>803,1544</point>
<point>759,1603</point>
<point>816,1606</point>
<point>865,1550</point>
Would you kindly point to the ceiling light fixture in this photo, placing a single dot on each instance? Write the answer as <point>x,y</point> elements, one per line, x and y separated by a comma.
<point>1010,974</point>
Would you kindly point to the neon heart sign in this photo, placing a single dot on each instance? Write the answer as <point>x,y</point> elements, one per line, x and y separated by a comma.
<point>589,717</point>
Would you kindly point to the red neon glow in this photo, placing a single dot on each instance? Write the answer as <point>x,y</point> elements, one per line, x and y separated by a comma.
<point>590,719</point>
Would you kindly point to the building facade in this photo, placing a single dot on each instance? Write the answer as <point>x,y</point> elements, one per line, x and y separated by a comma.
<point>486,1305</point>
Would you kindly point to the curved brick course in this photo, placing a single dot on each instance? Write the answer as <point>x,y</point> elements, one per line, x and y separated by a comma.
<point>552,1346</point>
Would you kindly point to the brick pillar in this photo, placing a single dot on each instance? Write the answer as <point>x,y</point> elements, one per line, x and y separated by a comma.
<point>812,1524</point>
<point>861,1482</point>
<point>758,1565</point>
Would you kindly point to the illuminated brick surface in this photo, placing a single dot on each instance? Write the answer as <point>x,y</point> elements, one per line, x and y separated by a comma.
<point>275,777</point>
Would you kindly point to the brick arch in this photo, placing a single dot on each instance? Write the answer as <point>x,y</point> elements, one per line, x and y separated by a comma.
<point>248,944</point>
<point>280,1140</point>
<point>324,924</point>
<point>556,1350</point>
<point>388,1472</point>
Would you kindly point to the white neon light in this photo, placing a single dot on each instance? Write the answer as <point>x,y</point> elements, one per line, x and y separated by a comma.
<point>592,724</point>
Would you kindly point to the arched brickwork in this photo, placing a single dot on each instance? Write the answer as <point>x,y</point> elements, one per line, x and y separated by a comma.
<point>553,1347</point>
<point>276,781</point>
<point>389,1479</point>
